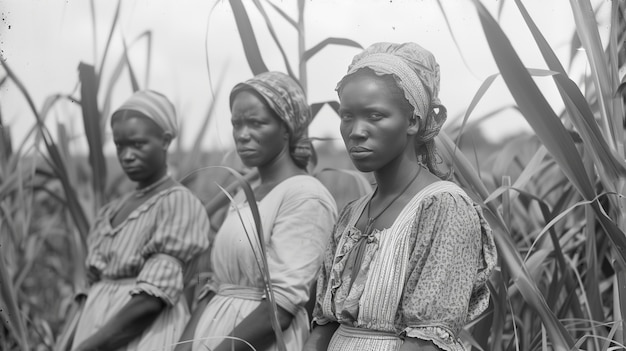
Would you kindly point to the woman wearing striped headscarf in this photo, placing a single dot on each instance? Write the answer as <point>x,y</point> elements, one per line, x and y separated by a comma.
<point>270,117</point>
<point>407,265</point>
<point>139,246</point>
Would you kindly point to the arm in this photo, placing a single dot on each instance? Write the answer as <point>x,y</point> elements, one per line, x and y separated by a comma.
<point>320,337</point>
<point>439,286</point>
<point>130,322</point>
<point>413,344</point>
<point>185,343</point>
<point>256,329</point>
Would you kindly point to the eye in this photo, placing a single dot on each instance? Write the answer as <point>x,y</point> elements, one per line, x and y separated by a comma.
<point>376,116</point>
<point>138,144</point>
<point>345,116</point>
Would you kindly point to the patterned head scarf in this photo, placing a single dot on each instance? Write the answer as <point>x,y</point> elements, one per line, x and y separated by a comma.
<point>416,72</point>
<point>154,106</point>
<point>285,97</point>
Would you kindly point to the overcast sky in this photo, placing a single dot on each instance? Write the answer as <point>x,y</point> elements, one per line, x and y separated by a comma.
<point>43,41</point>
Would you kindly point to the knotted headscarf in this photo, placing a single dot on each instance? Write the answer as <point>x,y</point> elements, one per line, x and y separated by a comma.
<point>285,97</point>
<point>416,73</point>
<point>154,106</point>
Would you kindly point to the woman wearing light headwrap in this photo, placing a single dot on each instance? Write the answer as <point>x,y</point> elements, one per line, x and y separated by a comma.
<point>406,266</point>
<point>270,117</point>
<point>140,245</point>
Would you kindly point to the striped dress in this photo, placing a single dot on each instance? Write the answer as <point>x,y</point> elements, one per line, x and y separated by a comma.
<point>146,253</point>
<point>424,277</point>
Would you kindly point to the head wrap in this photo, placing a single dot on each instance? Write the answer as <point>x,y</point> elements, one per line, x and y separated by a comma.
<point>416,73</point>
<point>285,97</point>
<point>154,106</point>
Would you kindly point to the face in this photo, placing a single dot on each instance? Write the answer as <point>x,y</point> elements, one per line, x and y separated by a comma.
<point>259,135</point>
<point>141,147</point>
<point>376,123</point>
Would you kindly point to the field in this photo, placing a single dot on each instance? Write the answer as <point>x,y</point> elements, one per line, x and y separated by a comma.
<point>554,197</point>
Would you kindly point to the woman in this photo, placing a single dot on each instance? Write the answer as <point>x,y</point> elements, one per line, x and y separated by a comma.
<point>407,264</point>
<point>139,246</point>
<point>270,117</point>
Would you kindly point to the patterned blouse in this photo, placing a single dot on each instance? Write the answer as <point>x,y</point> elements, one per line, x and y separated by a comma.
<point>424,277</point>
<point>153,244</point>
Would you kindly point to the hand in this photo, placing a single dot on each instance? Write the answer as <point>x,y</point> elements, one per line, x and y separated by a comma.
<point>186,346</point>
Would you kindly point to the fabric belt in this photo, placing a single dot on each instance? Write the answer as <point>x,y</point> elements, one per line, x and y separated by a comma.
<point>362,333</point>
<point>241,291</point>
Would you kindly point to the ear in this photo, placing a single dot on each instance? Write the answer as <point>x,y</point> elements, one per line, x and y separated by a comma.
<point>167,140</point>
<point>414,125</point>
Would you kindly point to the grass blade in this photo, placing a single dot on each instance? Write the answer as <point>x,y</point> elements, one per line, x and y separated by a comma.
<point>9,311</point>
<point>283,14</point>
<point>270,27</point>
<point>587,29</point>
<point>93,132</point>
<point>248,39</point>
<point>116,16</point>
<point>329,41</point>
<point>131,72</point>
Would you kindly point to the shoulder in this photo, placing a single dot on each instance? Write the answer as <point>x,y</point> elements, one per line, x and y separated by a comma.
<point>445,194</point>
<point>178,199</point>
<point>446,201</point>
<point>304,187</point>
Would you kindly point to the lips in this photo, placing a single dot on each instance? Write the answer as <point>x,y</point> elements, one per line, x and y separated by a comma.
<point>359,152</point>
<point>246,152</point>
<point>132,170</point>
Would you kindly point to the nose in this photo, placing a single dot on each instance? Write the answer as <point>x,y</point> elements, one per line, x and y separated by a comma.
<point>358,130</point>
<point>127,155</point>
<point>242,134</point>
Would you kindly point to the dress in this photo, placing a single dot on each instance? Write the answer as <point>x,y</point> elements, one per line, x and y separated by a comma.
<point>423,277</point>
<point>297,217</point>
<point>146,253</point>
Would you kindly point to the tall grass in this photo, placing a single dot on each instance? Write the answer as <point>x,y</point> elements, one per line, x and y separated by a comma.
<point>555,199</point>
<point>559,228</point>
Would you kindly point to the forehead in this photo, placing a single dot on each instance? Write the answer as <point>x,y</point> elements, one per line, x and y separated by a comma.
<point>247,103</point>
<point>134,123</point>
<point>364,87</point>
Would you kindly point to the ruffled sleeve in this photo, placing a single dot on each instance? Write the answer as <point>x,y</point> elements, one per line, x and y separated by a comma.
<point>447,285</point>
<point>319,317</point>
<point>297,244</point>
<point>180,233</point>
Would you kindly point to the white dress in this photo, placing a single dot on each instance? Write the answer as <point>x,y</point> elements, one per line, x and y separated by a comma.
<point>297,218</point>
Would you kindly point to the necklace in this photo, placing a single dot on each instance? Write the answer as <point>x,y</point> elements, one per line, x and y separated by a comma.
<point>143,191</point>
<point>370,220</point>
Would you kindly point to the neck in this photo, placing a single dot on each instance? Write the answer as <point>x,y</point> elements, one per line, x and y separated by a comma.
<point>394,176</point>
<point>279,168</point>
<point>153,179</point>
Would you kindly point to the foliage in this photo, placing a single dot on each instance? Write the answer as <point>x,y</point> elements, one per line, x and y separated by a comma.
<point>555,199</point>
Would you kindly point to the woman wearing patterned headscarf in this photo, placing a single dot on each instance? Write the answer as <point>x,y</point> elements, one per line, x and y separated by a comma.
<point>139,245</point>
<point>406,266</point>
<point>270,117</point>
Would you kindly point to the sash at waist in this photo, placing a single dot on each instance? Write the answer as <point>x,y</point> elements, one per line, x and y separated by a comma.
<point>241,291</point>
<point>362,333</point>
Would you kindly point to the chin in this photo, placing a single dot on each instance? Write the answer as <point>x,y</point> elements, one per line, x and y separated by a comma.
<point>364,167</point>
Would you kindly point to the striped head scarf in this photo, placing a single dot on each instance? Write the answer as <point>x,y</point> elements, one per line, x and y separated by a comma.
<point>154,106</point>
<point>285,97</point>
<point>416,72</point>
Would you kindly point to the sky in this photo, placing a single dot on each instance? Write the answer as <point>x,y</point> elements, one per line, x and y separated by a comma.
<point>43,42</point>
